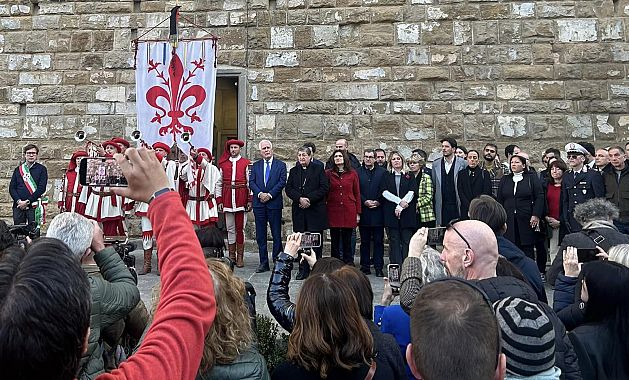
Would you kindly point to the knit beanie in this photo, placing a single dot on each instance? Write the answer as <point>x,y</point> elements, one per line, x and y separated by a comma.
<point>528,336</point>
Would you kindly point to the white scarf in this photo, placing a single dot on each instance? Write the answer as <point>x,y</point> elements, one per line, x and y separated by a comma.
<point>517,177</point>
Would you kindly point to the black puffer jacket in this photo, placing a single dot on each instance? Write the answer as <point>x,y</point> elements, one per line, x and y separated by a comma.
<point>498,288</point>
<point>571,311</point>
<point>582,240</point>
<point>277,297</point>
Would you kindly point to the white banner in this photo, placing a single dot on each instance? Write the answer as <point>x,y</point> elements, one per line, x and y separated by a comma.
<point>175,92</point>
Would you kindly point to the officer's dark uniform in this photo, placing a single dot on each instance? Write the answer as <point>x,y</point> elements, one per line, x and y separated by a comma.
<point>587,184</point>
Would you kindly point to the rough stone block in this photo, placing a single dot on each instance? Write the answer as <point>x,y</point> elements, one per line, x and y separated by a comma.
<point>603,106</point>
<point>568,71</point>
<point>462,32</point>
<point>555,10</point>
<point>419,91</point>
<point>35,127</point>
<point>612,30</point>
<point>479,127</point>
<point>547,127</point>
<point>511,126</point>
<point>21,95</point>
<point>408,33</point>
<point>403,73</point>
<point>281,37</point>
<point>485,32</point>
<point>449,125</point>
<point>387,14</point>
<point>363,108</point>
<point>309,92</point>
<point>577,30</point>
<point>478,91</point>
<point>547,90</point>
<point>448,91</point>
<point>512,91</point>
<point>392,91</point>
<point>38,78</point>
<point>620,52</point>
<point>510,31</point>
<point>523,10</point>
<point>604,71</point>
<point>386,127</point>
<point>43,109</point>
<point>337,126</point>
<point>325,35</point>
<point>538,31</point>
<point>586,53</point>
<point>286,59</point>
<point>433,73</point>
<point>418,56</point>
<point>528,72</point>
<point>376,35</point>
<point>375,73</point>
<point>437,33</point>
<point>604,127</point>
<point>580,126</point>
<point>585,90</point>
<point>351,91</point>
<point>445,55</point>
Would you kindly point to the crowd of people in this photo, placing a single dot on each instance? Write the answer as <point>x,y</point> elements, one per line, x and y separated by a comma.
<point>472,306</point>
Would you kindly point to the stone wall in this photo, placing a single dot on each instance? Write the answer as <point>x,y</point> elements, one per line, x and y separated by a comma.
<point>398,74</point>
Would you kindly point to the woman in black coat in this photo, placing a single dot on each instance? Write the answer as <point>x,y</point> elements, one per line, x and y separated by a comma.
<point>399,208</point>
<point>522,196</point>
<point>473,181</point>
<point>307,186</point>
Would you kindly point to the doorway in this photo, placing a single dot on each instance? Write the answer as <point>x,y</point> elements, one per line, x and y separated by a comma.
<point>229,107</point>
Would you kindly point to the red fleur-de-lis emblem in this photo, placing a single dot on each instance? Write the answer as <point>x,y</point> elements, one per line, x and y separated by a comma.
<point>175,89</point>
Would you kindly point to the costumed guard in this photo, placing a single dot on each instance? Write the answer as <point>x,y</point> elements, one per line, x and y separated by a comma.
<point>102,205</point>
<point>71,191</point>
<point>161,151</point>
<point>204,187</point>
<point>236,197</point>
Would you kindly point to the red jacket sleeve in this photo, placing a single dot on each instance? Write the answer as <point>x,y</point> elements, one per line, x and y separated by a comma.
<point>356,189</point>
<point>173,346</point>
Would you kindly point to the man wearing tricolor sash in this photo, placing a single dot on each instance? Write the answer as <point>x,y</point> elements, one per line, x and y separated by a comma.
<point>27,186</point>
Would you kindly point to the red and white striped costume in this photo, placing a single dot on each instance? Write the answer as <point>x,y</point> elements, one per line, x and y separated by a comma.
<point>204,187</point>
<point>141,208</point>
<point>73,188</point>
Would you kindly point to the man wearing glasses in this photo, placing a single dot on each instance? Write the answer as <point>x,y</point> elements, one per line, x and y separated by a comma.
<point>28,184</point>
<point>493,166</point>
<point>371,224</point>
<point>578,185</point>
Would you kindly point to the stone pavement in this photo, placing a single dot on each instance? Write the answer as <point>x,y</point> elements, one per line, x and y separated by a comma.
<point>260,281</point>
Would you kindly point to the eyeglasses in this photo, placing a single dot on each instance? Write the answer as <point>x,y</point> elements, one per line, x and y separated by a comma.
<point>451,225</point>
<point>574,156</point>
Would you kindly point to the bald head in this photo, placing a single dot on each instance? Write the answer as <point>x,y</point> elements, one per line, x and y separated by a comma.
<point>478,261</point>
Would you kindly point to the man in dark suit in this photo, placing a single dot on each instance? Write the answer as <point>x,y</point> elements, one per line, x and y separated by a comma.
<point>27,186</point>
<point>307,187</point>
<point>577,186</point>
<point>267,180</point>
<point>371,224</point>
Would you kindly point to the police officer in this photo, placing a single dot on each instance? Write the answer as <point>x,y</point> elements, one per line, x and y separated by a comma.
<point>578,185</point>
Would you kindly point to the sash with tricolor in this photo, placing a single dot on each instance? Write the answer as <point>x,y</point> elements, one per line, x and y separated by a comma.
<point>31,186</point>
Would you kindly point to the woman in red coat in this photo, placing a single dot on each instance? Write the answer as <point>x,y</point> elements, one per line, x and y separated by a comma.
<point>343,204</point>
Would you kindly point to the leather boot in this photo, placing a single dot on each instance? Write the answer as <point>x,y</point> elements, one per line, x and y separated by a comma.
<point>148,256</point>
<point>232,251</point>
<point>240,255</point>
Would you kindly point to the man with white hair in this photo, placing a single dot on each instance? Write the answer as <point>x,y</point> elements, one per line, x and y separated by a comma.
<point>112,287</point>
<point>267,181</point>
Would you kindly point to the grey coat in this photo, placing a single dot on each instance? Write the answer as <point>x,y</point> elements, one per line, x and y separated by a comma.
<point>458,164</point>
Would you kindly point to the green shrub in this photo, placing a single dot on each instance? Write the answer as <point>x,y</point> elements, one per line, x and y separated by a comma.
<point>272,343</point>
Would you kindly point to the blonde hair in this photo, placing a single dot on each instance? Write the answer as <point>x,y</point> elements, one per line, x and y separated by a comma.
<point>231,332</point>
<point>619,254</point>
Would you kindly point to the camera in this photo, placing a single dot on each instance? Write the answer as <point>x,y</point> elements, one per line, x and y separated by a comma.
<point>124,249</point>
<point>21,231</point>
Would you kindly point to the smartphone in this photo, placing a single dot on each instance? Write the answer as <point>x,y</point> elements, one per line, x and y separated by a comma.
<point>587,254</point>
<point>101,171</point>
<point>393,271</point>
<point>435,235</point>
<point>310,240</point>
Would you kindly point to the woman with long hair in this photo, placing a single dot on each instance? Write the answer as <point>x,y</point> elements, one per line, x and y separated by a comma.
<point>229,351</point>
<point>521,194</point>
<point>330,339</point>
<point>343,204</point>
<point>552,189</point>
<point>400,218</point>
<point>425,210</point>
<point>601,343</point>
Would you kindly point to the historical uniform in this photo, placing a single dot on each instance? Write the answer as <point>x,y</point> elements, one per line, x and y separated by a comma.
<point>236,199</point>
<point>141,208</point>
<point>204,187</point>
<point>578,187</point>
<point>102,205</point>
<point>71,191</point>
